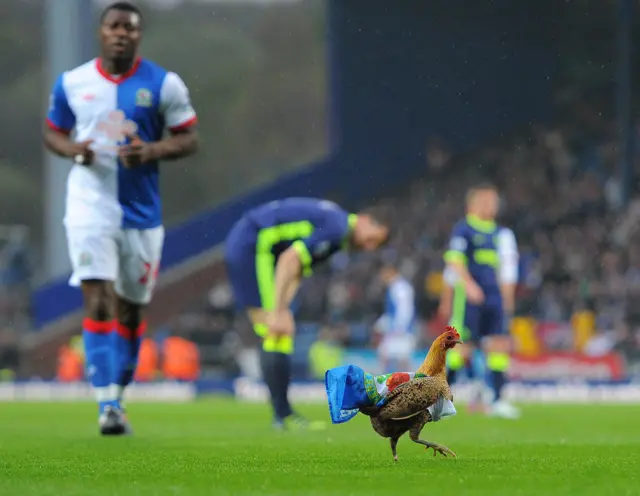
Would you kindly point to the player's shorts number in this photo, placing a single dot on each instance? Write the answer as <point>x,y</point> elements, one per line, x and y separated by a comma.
<point>150,273</point>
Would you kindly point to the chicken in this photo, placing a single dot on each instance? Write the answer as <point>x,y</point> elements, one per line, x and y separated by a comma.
<point>406,406</point>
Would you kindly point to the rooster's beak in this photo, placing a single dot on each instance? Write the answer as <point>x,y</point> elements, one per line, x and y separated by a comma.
<point>459,341</point>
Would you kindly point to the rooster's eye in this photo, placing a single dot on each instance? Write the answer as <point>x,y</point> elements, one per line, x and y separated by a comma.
<point>449,337</point>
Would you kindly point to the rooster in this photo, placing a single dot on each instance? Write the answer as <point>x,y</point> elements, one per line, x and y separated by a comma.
<point>406,407</point>
<point>399,402</point>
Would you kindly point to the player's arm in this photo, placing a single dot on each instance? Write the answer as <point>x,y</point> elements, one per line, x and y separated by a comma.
<point>446,302</point>
<point>459,267</point>
<point>58,142</point>
<point>456,259</point>
<point>292,264</point>
<point>181,143</point>
<point>180,119</point>
<point>296,261</point>
<point>59,123</point>
<point>446,296</point>
<point>287,278</point>
<point>509,258</point>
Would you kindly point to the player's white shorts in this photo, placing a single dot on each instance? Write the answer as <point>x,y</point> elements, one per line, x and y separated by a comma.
<point>397,346</point>
<point>129,257</point>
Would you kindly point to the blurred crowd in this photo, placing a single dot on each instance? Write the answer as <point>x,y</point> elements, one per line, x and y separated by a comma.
<point>15,285</point>
<point>15,276</point>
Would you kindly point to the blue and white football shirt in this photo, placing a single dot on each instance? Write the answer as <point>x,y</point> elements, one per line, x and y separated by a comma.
<point>94,104</point>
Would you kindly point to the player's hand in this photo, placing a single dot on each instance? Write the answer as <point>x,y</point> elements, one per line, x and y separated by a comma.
<point>475,294</point>
<point>281,323</point>
<point>81,153</point>
<point>444,310</point>
<point>137,152</point>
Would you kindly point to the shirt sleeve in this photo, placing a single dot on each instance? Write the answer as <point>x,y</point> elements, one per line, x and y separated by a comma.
<point>509,256</point>
<point>458,244</point>
<point>175,103</point>
<point>326,238</point>
<point>60,117</point>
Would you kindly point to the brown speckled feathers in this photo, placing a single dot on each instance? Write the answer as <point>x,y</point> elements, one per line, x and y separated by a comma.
<point>406,406</point>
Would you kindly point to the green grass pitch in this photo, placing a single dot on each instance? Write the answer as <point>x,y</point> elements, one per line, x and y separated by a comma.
<point>220,447</point>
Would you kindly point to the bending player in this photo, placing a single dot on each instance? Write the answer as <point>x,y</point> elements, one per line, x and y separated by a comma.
<point>479,296</point>
<point>117,107</point>
<point>268,251</point>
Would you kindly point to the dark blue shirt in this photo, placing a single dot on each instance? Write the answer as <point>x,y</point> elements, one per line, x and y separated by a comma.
<point>474,242</point>
<point>315,228</point>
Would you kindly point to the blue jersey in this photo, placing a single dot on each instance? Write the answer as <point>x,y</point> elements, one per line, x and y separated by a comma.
<point>315,228</point>
<point>400,307</point>
<point>95,105</point>
<point>475,243</point>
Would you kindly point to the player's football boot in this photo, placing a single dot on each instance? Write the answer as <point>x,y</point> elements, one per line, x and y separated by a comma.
<point>128,431</point>
<point>278,424</point>
<point>112,422</point>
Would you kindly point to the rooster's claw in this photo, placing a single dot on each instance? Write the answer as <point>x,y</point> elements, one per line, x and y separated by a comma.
<point>443,450</point>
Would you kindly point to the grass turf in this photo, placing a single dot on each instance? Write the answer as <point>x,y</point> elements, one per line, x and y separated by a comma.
<point>220,447</point>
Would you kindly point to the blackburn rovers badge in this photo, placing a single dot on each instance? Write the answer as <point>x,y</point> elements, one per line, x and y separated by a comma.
<point>143,98</point>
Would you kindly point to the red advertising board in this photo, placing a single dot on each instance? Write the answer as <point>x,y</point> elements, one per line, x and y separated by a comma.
<point>559,366</point>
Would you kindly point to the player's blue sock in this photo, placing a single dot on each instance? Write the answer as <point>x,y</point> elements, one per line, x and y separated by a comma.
<point>126,343</point>
<point>99,360</point>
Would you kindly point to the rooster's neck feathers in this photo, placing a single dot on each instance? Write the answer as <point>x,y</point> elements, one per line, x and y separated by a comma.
<point>435,362</point>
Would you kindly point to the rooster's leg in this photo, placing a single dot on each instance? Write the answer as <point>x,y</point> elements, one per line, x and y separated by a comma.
<point>414,434</point>
<point>394,444</point>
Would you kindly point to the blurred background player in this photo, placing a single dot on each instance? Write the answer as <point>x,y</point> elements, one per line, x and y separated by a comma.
<point>397,325</point>
<point>479,296</point>
<point>267,253</point>
<point>508,274</point>
<point>117,107</point>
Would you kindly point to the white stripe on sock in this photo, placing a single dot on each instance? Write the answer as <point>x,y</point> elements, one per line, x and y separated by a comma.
<point>104,394</point>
